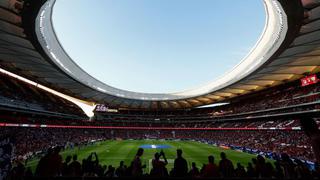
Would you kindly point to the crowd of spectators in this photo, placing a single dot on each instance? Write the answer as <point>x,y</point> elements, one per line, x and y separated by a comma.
<point>206,116</point>
<point>275,123</point>
<point>31,141</point>
<point>278,97</point>
<point>283,99</point>
<point>286,98</point>
<point>52,165</point>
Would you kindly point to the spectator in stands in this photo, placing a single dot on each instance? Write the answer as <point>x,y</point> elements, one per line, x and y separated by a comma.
<point>110,172</point>
<point>121,170</point>
<point>261,168</point>
<point>302,170</point>
<point>288,166</point>
<point>65,171</point>
<point>270,173</point>
<point>137,167</point>
<point>90,165</point>
<point>75,167</point>
<point>17,172</point>
<point>50,165</point>
<point>180,167</point>
<point>226,166</point>
<point>159,167</point>
<point>278,171</point>
<point>240,171</point>
<point>316,172</point>
<point>43,165</point>
<point>55,162</point>
<point>211,169</point>
<point>101,170</point>
<point>250,171</point>
<point>194,172</point>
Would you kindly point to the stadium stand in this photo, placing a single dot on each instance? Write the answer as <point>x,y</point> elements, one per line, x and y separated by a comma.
<point>280,123</point>
<point>277,101</point>
<point>30,140</point>
<point>284,134</point>
<point>35,141</point>
<point>271,136</point>
<point>18,95</point>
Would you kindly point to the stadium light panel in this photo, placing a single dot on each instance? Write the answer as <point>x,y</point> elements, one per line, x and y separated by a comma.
<point>214,105</point>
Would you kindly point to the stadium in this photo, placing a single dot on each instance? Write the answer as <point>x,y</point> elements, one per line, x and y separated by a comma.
<point>258,120</point>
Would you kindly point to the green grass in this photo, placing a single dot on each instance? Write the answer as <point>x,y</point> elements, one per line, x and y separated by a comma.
<point>111,152</point>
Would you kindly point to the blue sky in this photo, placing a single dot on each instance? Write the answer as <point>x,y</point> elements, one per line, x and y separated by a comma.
<point>158,46</point>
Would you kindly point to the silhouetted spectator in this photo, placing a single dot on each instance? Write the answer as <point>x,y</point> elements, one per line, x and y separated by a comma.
<point>55,163</point>
<point>278,170</point>
<point>269,170</point>
<point>194,172</point>
<point>129,170</point>
<point>211,169</point>
<point>250,171</point>
<point>102,170</point>
<point>261,168</point>
<point>110,172</point>
<point>121,170</point>
<point>90,164</point>
<point>240,172</point>
<point>75,167</point>
<point>202,168</point>
<point>180,168</point>
<point>288,166</point>
<point>43,164</point>
<point>226,166</point>
<point>65,171</point>
<point>302,170</point>
<point>316,172</point>
<point>137,167</point>
<point>17,172</point>
<point>159,167</point>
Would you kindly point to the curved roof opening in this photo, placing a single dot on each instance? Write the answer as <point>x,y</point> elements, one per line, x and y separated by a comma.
<point>159,46</point>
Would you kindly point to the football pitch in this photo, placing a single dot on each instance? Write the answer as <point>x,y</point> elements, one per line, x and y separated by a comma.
<point>111,152</point>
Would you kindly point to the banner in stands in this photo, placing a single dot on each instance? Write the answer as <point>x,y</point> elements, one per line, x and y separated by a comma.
<point>6,151</point>
<point>104,108</point>
<point>312,79</point>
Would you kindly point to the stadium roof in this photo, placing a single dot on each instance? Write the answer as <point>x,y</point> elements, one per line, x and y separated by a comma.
<point>287,49</point>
